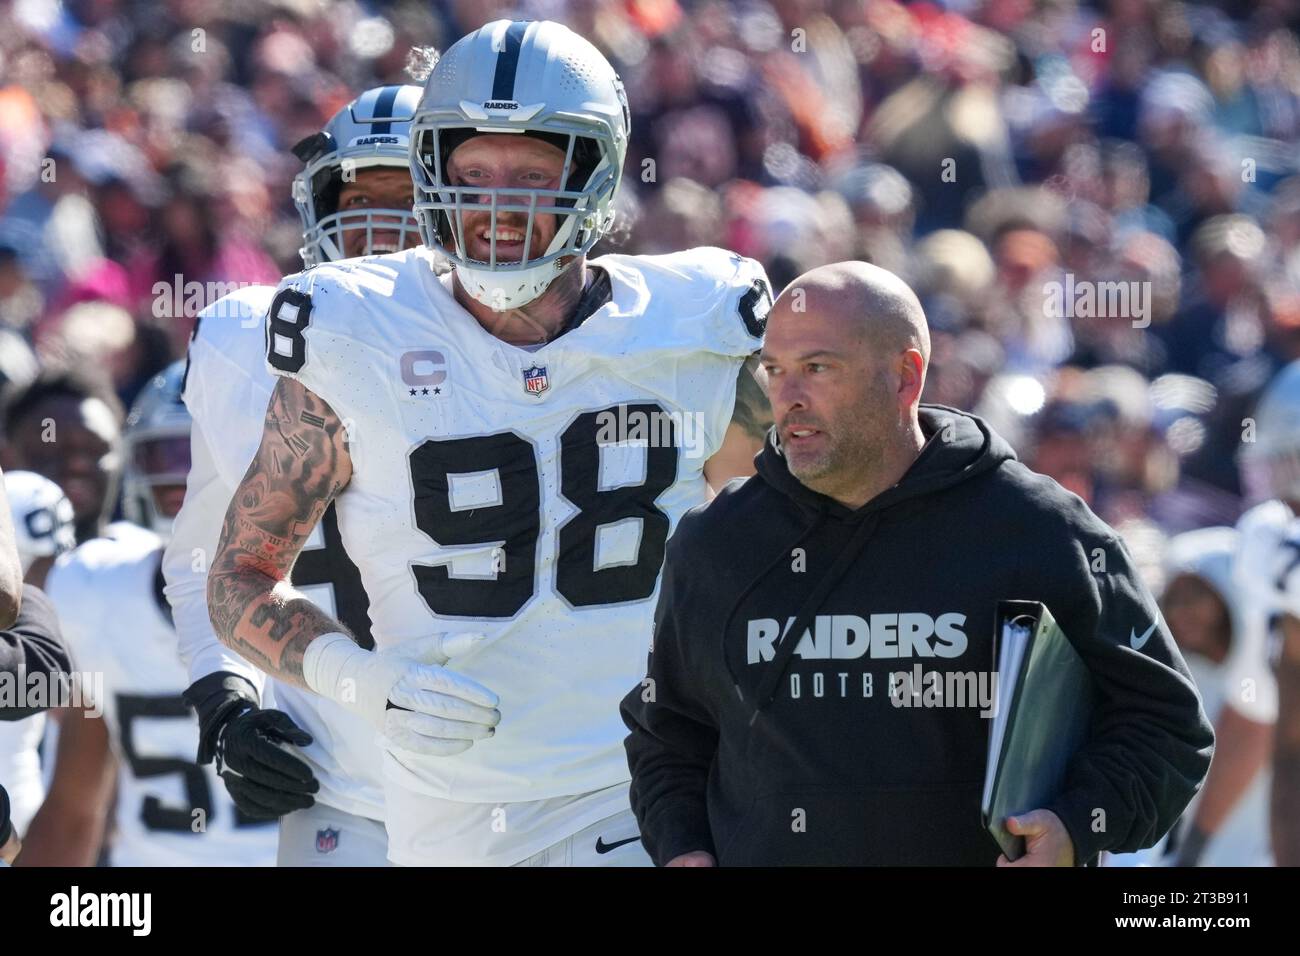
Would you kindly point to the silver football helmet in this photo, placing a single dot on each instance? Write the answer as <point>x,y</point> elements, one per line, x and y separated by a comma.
<point>372,130</point>
<point>1271,462</point>
<point>157,445</point>
<point>534,78</point>
<point>42,515</point>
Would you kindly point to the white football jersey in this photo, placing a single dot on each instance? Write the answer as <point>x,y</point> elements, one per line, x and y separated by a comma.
<point>20,767</point>
<point>108,595</point>
<point>1250,684</point>
<point>1243,837</point>
<point>526,495</point>
<point>227,387</point>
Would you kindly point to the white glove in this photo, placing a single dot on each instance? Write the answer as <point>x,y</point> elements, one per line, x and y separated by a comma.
<point>442,713</point>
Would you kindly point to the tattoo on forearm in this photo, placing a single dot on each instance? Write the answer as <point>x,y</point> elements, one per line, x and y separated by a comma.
<point>298,445</point>
<point>752,412</point>
<point>254,609</point>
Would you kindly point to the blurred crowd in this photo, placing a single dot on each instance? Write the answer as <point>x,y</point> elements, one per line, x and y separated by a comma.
<point>987,151</point>
<point>1013,160</point>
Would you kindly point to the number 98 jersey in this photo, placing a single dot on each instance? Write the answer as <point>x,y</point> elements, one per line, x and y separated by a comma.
<point>527,495</point>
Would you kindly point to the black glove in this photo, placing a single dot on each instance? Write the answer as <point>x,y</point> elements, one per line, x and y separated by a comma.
<point>264,779</point>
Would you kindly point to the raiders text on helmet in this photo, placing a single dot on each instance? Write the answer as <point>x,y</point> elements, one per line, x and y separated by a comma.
<point>372,130</point>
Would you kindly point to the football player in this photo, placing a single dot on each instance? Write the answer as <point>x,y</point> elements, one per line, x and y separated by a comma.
<point>1285,805</point>
<point>354,198</point>
<point>1267,567</point>
<point>1245,728</point>
<point>1270,466</point>
<point>67,426</point>
<point>508,447</point>
<point>42,523</point>
<point>1202,608</point>
<point>169,810</point>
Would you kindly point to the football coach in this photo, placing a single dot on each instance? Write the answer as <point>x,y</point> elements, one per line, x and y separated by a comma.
<point>894,529</point>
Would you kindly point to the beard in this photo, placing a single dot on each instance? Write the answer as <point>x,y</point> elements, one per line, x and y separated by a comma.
<point>853,446</point>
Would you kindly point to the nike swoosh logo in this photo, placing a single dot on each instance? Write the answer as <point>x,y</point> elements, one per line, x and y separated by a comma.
<point>1136,642</point>
<point>603,847</point>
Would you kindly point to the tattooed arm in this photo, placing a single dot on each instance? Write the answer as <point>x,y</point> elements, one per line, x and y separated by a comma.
<point>750,420</point>
<point>301,465</point>
<point>403,692</point>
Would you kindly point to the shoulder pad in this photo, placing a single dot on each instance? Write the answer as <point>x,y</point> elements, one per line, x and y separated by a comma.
<point>725,296</point>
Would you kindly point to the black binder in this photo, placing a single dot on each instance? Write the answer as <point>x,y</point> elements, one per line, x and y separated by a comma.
<point>1045,700</point>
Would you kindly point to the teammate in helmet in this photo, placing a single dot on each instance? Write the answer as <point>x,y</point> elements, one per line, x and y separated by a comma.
<point>42,523</point>
<point>1202,607</point>
<point>156,453</point>
<point>354,196</point>
<point>42,520</point>
<point>1270,468</point>
<point>66,425</point>
<point>1268,674</point>
<point>108,593</point>
<point>494,441</point>
<point>1285,659</point>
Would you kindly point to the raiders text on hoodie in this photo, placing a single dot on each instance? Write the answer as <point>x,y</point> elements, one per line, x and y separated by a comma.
<point>806,757</point>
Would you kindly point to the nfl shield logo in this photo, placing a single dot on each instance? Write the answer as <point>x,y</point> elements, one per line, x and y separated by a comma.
<point>535,380</point>
<point>327,841</point>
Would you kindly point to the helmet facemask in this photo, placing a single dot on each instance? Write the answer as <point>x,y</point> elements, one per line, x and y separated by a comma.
<point>316,192</point>
<point>156,452</point>
<point>157,460</point>
<point>583,208</point>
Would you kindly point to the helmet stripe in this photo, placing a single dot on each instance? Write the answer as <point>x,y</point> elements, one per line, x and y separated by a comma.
<point>503,81</point>
<point>384,108</point>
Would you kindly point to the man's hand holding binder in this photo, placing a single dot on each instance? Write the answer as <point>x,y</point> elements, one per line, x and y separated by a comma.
<point>1047,843</point>
<point>1045,699</point>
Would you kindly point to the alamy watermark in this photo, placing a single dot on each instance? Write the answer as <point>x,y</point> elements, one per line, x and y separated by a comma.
<point>44,690</point>
<point>653,429</point>
<point>74,908</point>
<point>932,688</point>
<point>180,299</point>
<point>1084,299</point>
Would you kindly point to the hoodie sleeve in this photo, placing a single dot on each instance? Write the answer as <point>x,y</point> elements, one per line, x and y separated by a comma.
<point>673,739</point>
<point>1150,742</point>
<point>33,645</point>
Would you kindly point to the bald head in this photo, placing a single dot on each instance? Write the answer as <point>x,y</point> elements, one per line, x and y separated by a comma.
<point>879,305</point>
<point>845,351</point>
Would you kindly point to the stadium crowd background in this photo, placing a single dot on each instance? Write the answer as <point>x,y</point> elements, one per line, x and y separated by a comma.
<point>982,150</point>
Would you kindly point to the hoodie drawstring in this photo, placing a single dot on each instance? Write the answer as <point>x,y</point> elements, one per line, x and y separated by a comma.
<point>781,555</point>
<point>766,692</point>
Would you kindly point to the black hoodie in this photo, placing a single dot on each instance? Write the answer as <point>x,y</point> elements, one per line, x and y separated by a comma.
<point>34,645</point>
<point>760,761</point>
